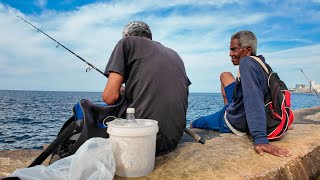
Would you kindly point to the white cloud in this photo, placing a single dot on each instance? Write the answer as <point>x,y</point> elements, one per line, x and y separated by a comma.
<point>41,3</point>
<point>91,31</point>
<point>289,62</point>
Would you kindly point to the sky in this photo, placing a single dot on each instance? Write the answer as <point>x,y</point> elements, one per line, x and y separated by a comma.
<point>288,34</point>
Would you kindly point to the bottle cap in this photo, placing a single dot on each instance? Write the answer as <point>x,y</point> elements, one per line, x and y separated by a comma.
<point>130,110</point>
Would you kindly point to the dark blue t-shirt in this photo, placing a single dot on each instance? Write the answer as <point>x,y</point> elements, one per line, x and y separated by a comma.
<point>156,86</point>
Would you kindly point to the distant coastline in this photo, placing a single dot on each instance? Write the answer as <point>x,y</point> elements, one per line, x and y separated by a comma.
<point>296,92</point>
<point>313,87</point>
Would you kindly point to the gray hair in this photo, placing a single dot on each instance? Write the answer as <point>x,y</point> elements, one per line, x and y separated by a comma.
<point>137,28</point>
<point>246,39</point>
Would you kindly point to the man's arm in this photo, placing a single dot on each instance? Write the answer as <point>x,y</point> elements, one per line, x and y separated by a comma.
<point>111,92</point>
<point>253,97</point>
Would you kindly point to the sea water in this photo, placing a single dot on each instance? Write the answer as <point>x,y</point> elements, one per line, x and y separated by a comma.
<point>30,119</point>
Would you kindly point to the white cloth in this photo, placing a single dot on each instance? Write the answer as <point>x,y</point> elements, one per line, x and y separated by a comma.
<point>93,160</point>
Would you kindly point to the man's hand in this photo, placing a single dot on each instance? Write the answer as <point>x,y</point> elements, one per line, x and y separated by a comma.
<point>271,149</point>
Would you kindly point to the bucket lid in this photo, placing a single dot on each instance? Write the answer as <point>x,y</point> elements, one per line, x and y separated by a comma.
<point>142,127</point>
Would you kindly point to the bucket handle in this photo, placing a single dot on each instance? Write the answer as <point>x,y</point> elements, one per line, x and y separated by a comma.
<point>107,120</point>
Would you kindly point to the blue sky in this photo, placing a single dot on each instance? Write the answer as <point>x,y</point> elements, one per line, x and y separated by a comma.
<point>287,32</point>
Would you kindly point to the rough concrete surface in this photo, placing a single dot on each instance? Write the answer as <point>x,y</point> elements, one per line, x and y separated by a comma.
<point>224,156</point>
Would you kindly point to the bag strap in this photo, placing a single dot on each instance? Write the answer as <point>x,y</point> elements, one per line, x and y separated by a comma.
<point>63,136</point>
<point>261,64</point>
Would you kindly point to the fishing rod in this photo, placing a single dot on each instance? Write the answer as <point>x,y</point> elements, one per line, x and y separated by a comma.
<point>188,131</point>
<point>310,83</point>
<point>59,44</point>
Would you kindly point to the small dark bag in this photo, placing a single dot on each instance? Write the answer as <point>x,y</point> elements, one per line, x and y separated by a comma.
<point>89,120</point>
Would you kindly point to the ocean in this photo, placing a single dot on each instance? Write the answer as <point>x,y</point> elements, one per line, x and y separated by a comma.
<point>30,119</point>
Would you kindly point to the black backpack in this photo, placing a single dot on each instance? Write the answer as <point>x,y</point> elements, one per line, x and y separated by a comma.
<point>277,102</point>
<point>89,120</point>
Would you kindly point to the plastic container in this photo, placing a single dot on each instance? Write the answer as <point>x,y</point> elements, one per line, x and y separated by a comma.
<point>130,115</point>
<point>134,146</point>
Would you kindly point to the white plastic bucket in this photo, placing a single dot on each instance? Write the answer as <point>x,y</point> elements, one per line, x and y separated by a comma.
<point>134,146</point>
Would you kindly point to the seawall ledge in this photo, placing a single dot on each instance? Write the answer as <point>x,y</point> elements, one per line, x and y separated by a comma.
<point>224,156</point>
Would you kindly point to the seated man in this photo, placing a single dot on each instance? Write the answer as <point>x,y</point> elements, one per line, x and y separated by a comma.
<point>156,84</point>
<point>244,109</point>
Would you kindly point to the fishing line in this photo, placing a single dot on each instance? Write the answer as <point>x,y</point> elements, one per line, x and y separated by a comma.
<point>310,83</point>
<point>90,66</point>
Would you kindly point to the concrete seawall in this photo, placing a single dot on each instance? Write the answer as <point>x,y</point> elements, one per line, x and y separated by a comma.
<point>224,156</point>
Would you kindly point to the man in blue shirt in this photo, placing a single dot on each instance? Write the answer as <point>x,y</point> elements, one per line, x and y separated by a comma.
<point>244,110</point>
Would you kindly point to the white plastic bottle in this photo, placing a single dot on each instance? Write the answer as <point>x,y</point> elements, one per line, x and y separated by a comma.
<point>130,115</point>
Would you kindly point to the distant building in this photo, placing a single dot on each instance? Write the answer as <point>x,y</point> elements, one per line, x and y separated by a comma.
<point>302,88</point>
<point>317,87</point>
<point>312,85</point>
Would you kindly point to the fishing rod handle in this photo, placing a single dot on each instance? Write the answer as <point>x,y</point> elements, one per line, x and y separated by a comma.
<point>195,136</point>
